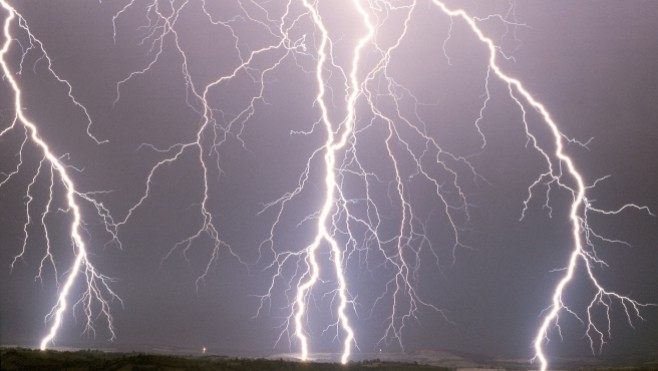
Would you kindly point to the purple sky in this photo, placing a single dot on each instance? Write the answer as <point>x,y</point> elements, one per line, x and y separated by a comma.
<point>591,63</point>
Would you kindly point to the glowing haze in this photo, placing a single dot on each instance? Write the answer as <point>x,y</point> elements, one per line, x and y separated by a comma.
<point>333,177</point>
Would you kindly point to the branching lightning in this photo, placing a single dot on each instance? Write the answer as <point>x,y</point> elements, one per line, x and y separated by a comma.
<point>580,206</point>
<point>358,105</point>
<point>97,291</point>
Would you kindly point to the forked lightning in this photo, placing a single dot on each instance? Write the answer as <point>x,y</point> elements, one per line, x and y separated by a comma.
<point>357,101</point>
<point>96,292</point>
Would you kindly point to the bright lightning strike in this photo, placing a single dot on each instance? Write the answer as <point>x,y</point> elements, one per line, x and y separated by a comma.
<point>339,215</point>
<point>556,160</point>
<point>365,215</point>
<point>97,291</point>
<point>580,206</point>
<point>332,146</point>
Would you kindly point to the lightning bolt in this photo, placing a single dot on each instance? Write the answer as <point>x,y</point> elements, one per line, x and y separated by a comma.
<point>97,290</point>
<point>556,159</point>
<point>332,146</point>
<point>360,108</point>
<point>353,227</point>
<point>573,181</point>
<point>338,216</point>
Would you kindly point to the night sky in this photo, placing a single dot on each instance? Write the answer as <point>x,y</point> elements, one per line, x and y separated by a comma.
<point>593,64</point>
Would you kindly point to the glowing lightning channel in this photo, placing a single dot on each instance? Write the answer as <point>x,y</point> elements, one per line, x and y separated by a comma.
<point>580,205</point>
<point>96,283</point>
<point>162,29</point>
<point>353,227</point>
<point>341,215</point>
<point>331,147</point>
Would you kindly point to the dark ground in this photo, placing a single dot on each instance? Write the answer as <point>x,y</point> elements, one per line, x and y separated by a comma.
<point>31,359</point>
<point>28,359</point>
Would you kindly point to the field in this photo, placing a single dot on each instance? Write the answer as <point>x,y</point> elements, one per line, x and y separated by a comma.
<point>28,359</point>
<point>82,360</point>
